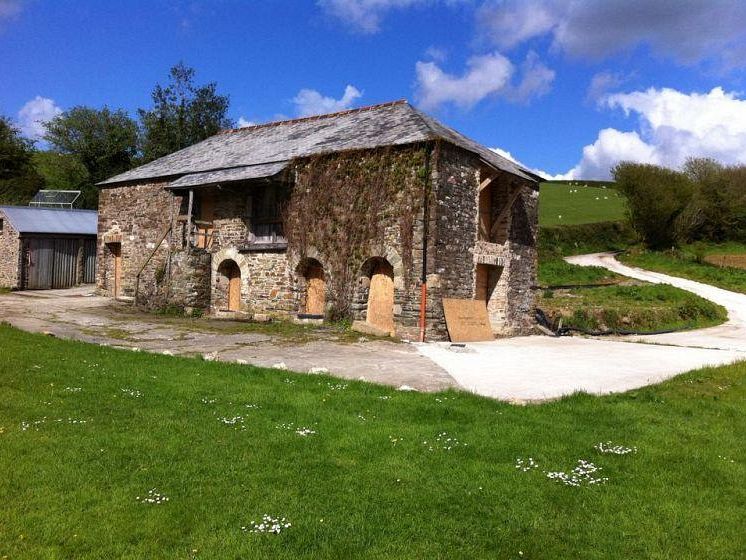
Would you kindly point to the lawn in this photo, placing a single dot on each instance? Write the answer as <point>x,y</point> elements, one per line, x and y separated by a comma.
<point>687,262</point>
<point>573,203</point>
<point>86,432</point>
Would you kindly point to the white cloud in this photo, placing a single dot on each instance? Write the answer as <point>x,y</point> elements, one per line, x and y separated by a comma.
<point>365,16</point>
<point>672,127</point>
<point>436,53</point>
<point>506,154</point>
<point>485,76</point>
<point>10,9</point>
<point>548,176</point>
<point>243,123</point>
<point>310,102</point>
<point>510,23</point>
<point>686,30</point>
<point>34,114</point>
<point>602,83</point>
<point>536,79</point>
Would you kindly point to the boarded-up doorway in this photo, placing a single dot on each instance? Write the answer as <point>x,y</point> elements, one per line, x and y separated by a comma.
<point>315,288</point>
<point>380,312</point>
<point>231,277</point>
<point>116,252</point>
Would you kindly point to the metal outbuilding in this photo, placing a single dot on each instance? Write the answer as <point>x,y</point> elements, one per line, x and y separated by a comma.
<point>43,248</point>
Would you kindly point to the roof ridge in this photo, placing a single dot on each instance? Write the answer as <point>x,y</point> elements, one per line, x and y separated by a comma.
<point>317,117</point>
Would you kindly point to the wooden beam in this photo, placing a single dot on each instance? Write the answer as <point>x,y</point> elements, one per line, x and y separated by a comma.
<point>189,219</point>
<point>486,183</point>
<point>504,212</point>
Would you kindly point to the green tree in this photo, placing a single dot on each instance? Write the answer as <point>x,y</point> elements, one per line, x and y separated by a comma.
<point>64,172</point>
<point>659,202</point>
<point>102,140</point>
<point>19,181</point>
<point>182,114</point>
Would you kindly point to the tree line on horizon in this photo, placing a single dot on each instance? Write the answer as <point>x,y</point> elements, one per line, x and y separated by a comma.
<point>705,200</point>
<point>88,144</point>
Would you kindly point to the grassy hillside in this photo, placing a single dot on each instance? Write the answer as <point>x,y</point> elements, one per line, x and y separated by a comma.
<point>571,204</point>
<point>90,437</point>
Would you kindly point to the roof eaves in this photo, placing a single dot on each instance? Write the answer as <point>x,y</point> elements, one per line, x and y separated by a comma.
<point>8,216</point>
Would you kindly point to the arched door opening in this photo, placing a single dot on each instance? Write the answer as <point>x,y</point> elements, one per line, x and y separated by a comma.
<point>314,299</point>
<point>380,310</point>
<point>229,283</point>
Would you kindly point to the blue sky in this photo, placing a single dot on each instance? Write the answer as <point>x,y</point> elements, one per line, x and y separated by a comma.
<point>568,88</point>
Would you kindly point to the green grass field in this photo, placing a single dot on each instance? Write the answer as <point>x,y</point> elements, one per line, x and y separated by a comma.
<point>86,432</point>
<point>572,204</point>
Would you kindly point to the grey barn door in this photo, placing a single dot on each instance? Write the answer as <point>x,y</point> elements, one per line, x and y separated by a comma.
<point>89,276</point>
<point>50,263</point>
<point>39,264</point>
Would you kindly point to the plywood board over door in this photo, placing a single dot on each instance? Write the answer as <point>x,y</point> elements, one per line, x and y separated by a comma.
<point>315,290</point>
<point>234,289</point>
<point>381,297</point>
<point>467,320</point>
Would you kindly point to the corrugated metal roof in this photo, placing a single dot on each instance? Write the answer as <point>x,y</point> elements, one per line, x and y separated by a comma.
<point>389,124</point>
<point>26,219</point>
<point>228,175</point>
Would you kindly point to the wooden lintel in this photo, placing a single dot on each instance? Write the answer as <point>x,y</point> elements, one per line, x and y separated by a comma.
<point>504,212</point>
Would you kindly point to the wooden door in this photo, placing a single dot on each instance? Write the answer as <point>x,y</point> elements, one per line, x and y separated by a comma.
<point>207,214</point>
<point>116,251</point>
<point>381,297</point>
<point>315,290</point>
<point>234,289</point>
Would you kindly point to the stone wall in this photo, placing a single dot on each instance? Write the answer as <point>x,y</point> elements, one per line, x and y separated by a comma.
<point>10,255</point>
<point>511,253</point>
<point>271,282</point>
<point>136,216</point>
<point>454,234</point>
<point>512,258</point>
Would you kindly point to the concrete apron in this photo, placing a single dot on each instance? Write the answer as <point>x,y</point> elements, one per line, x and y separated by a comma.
<point>539,368</point>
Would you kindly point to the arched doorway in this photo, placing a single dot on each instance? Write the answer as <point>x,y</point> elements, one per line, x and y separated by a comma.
<point>230,284</point>
<point>314,299</point>
<point>380,311</point>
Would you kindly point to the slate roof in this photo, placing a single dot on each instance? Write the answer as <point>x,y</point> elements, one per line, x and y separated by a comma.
<point>27,219</point>
<point>389,124</point>
<point>227,175</point>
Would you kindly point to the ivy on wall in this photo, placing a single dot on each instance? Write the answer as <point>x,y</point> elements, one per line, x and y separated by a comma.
<point>347,205</point>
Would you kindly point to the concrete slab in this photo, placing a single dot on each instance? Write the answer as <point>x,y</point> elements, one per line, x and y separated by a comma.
<point>538,368</point>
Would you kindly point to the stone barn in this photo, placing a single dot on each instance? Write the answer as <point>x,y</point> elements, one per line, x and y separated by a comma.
<point>43,248</point>
<point>373,214</point>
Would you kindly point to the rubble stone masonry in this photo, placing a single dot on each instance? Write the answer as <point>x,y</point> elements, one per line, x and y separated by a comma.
<point>136,216</point>
<point>10,255</point>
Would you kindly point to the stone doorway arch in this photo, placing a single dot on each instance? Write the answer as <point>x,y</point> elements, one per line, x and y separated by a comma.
<point>229,284</point>
<point>380,307</point>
